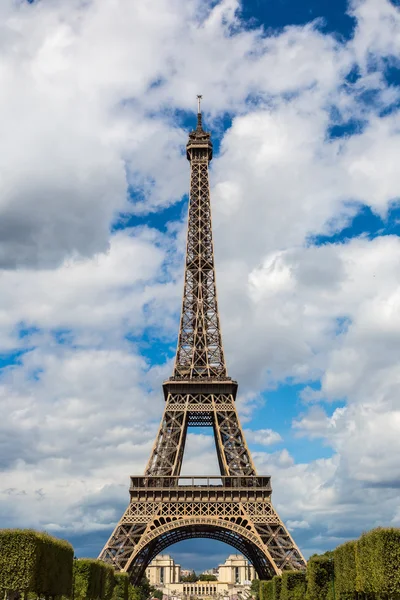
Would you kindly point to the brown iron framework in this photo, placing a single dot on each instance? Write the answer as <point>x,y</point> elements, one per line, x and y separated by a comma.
<point>235,507</point>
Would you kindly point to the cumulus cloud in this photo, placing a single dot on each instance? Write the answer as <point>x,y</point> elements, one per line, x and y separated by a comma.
<point>343,316</point>
<point>60,438</point>
<point>264,437</point>
<point>78,400</point>
<point>85,87</point>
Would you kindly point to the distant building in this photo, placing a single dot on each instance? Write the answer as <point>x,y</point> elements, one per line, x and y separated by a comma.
<point>163,570</point>
<point>211,572</point>
<point>234,577</point>
<point>237,570</point>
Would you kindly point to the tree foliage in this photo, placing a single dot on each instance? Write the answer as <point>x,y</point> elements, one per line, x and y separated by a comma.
<point>345,571</point>
<point>266,590</point>
<point>121,586</point>
<point>31,561</point>
<point>108,581</point>
<point>276,587</point>
<point>377,563</point>
<point>320,573</point>
<point>93,580</point>
<point>255,588</point>
<point>293,585</point>
<point>207,577</point>
<point>142,591</point>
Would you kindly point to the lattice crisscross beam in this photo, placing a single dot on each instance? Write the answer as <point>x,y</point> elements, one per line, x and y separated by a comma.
<point>199,352</point>
<point>215,410</point>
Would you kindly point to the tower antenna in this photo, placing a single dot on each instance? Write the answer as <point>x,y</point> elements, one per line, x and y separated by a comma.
<point>199,119</point>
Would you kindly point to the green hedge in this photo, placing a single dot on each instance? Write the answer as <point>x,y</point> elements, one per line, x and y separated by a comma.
<point>345,571</point>
<point>93,580</point>
<point>293,585</point>
<point>266,590</point>
<point>261,590</point>
<point>276,587</point>
<point>320,573</point>
<point>108,582</point>
<point>87,579</point>
<point>31,561</point>
<point>377,563</point>
<point>255,588</point>
<point>121,586</point>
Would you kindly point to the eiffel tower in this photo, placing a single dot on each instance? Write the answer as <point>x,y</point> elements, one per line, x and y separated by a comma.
<point>234,507</point>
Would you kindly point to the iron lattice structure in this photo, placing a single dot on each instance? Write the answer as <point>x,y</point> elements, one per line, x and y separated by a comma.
<point>235,507</point>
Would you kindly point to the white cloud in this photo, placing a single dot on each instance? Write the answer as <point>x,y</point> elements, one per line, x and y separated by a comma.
<point>293,525</point>
<point>84,87</point>
<point>75,430</point>
<point>264,437</point>
<point>80,83</point>
<point>377,31</point>
<point>356,363</point>
<point>354,284</point>
<point>80,415</point>
<point>103,295</point>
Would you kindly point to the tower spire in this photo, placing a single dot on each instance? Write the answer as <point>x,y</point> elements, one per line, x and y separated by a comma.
<point>199,353</point>
<point>199,116</point>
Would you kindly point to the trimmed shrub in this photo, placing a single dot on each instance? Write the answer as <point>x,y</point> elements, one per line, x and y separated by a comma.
<point>86,572</point>
<point>108,582</point>
<point>18,560</point>
<point>276,587</point>
<point>121,586</point>
<point>55,572</point>
<point>320,573</point>
<point>377,563</point>
<point>266,590</point>
<point>345,571</point>
<point>293,585</point>
<point>32,561</point>
<point>261,591</point>
<point>255,588</point>
<point>93,579</point>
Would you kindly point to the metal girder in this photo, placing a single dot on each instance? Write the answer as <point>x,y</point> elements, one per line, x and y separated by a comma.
<point>236,506</point>
<point>200,352</point>
<point>238,510</point>
<point>216,410</point>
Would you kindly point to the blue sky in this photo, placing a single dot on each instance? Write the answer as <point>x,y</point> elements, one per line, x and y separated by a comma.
<point>278,14</point>
<point>302,99</point>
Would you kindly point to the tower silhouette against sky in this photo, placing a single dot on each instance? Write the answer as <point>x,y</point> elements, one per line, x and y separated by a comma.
<point>234,507</point>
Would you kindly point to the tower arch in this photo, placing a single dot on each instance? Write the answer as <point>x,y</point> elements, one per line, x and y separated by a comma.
<point>236,535</point>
